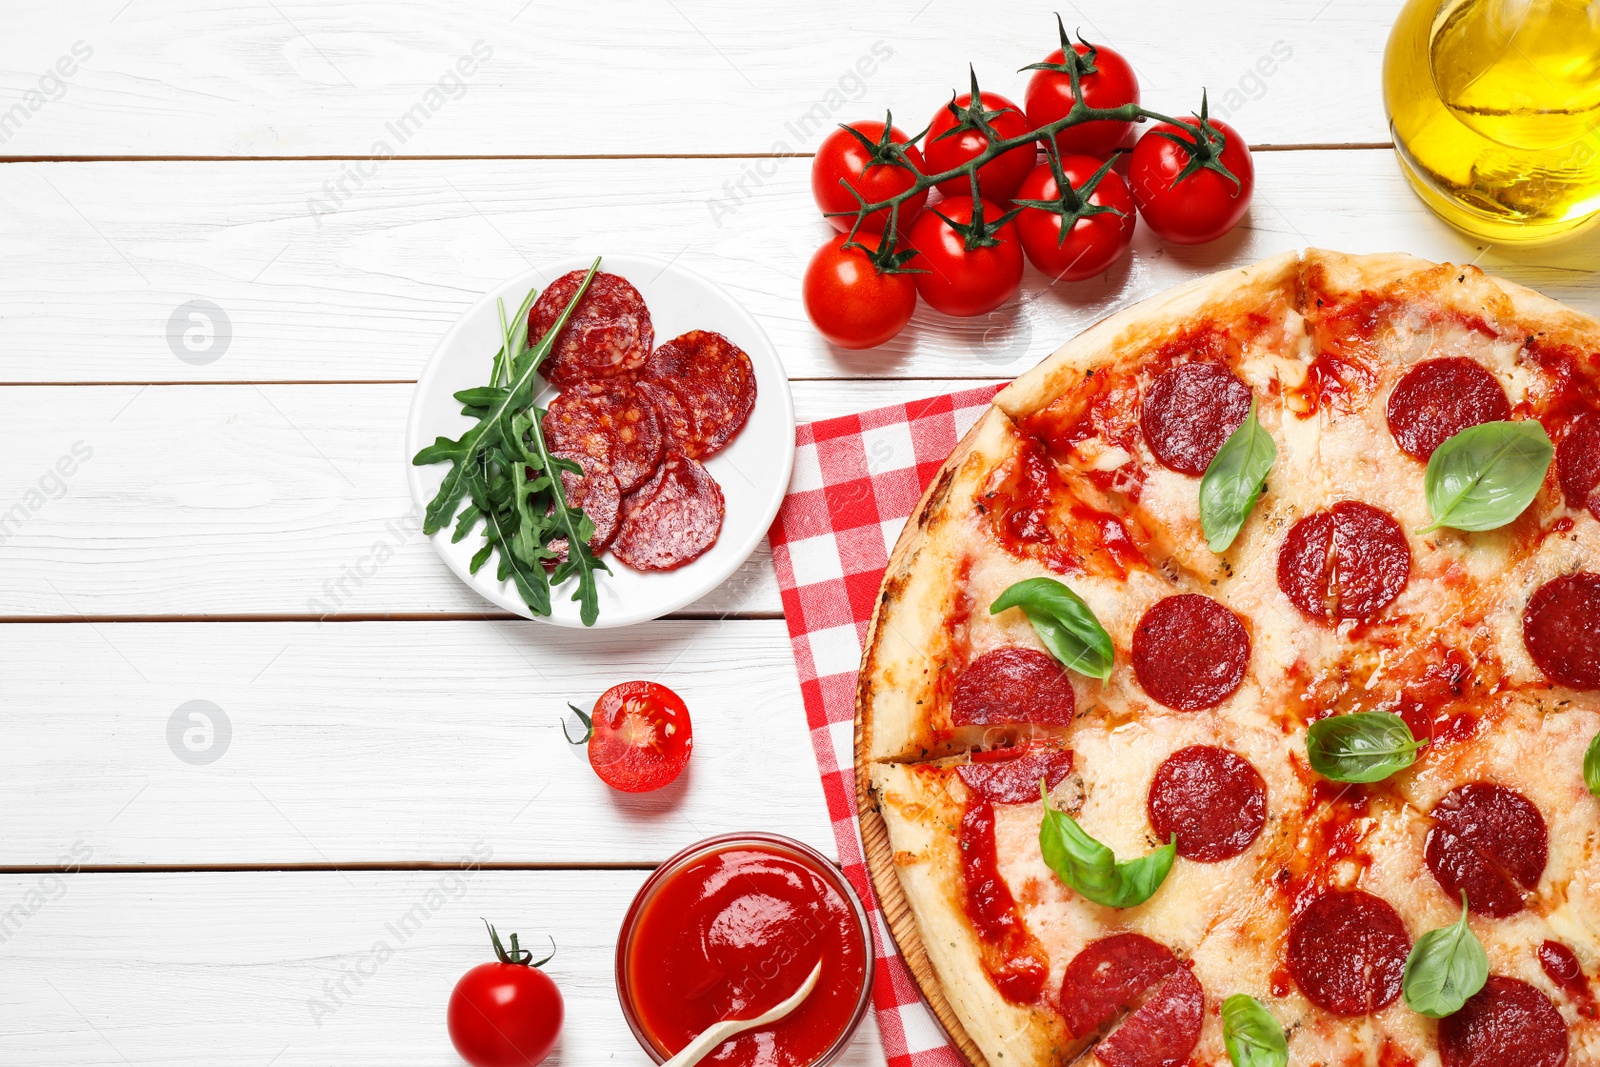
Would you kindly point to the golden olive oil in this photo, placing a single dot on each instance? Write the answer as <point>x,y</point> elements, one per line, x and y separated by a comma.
<point>1494,106</point>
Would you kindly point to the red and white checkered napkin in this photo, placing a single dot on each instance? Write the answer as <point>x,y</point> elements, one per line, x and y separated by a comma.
<point>856,481</point>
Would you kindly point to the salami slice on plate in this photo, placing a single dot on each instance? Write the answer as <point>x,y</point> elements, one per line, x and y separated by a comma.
<point>672,519</point>
<point>714,378</point>
<point>611,421</point>
<point>596,492</point>
<point>608,333</point>
<point>673,414</point>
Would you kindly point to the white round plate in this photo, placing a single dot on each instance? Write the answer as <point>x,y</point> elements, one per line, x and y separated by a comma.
<point>753,470</point>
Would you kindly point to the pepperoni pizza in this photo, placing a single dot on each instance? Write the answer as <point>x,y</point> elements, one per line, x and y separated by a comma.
<point>1306,893</point>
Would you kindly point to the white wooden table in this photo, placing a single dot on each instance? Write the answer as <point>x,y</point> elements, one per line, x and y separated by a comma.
<point>231,527</point>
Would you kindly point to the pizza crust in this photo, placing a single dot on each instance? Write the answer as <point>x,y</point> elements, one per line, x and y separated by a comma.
<point>1218,295</point>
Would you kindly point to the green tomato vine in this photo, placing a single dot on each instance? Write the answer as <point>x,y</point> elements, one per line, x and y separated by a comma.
<point>1202,140</point>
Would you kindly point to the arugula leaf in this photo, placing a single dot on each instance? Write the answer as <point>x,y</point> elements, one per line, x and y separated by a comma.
<point>1591,766</point>
<point>1445,968</point>
<point>1486,475</point>
<point>1234,480</point>
<point>1363,746</point>
<point>531,581</point>
<point>1092,869</point>
<point>505,471</point>
<point>1064,623</point>
<point>1251,1035</point>
<point>464,452</point>
<point>481,396</point>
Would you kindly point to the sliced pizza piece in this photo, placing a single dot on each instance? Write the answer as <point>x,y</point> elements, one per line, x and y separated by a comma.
<point>992,969</point>
<point>1136,407</point>
<point>1028,963</point>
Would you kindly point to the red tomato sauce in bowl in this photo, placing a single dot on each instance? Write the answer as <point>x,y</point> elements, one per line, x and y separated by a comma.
<point>730,927</point>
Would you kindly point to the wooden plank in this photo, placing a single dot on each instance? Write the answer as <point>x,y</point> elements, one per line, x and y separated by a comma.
<point>490,77</point>
<point>286,968</point>
<point>396,742</point>
<point>365,292</point>
<point>276,499</point>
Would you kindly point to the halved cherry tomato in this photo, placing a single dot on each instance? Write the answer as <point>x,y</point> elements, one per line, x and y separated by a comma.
<point>959,280</point>
<point>1093,243</point>
<point>948,145</point>
<point>1202,205</point>
<point>1108,82</point>
<point>849,302</point>
<point>640,737</point>
<point>843,156</point>
<point>507,1013</point>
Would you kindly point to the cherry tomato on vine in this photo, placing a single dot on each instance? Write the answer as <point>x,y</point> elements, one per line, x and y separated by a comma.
<point>849,302</point>
<point>951,142</point>
<point>507,1013</point>
<point>1105,79</point>
<point>960,280</point>
<point>1094,241</point>
<point>639,736</point>
<point>1200,205</point>
<point>873,172</point>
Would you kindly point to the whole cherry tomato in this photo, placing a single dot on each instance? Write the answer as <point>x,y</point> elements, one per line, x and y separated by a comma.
<point>507,1013</point>
<point>951,141</point>
<point>1202,204</point>
<point>849,302</point>
<point>872,171</point>
<point>1105,79</point>
<point>961,280</point>
<point>639,736</point>
<point>1094,240</point>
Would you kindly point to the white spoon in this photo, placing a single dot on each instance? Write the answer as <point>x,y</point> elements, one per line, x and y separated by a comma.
<point>702,1046</point>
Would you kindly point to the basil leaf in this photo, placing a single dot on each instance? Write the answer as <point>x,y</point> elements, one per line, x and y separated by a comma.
<point>1445,967</point>
<point>1234,480</point>
<point>1251,1035</point>
<point>1092,869</point>
<point>1363,746</point>
<point>1591,766</point>
<point>1064,623</point>
<point>1485,476</point>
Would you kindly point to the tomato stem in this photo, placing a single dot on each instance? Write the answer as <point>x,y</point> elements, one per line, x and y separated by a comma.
<point>588,727</point>
<point>517,956</point>
<point>1204,148</point>
<point>1071,203</point>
